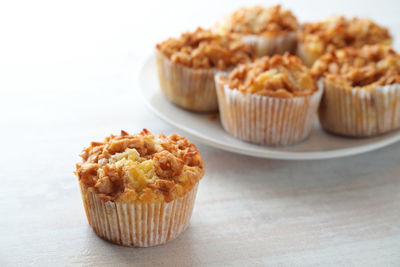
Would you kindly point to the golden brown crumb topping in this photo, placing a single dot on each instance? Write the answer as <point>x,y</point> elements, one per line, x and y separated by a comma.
<point>339,32</point>
<point>260,21</point>
<point>366,67</point>
<point>140,167</point>
<point>203,49</point>
<point>277,76</point>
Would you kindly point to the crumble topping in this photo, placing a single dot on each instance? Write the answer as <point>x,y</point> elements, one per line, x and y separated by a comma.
<point>277,76</point>
<point>339,32</point>
<point>140,167</point>
<point>203,49</point>
<point>260,21</point>
<point>366,67</point>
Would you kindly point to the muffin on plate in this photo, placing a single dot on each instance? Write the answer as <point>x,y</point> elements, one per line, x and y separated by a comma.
<point>361,90</point>
<point>186,67</point>
<point>272,101</point>
<point>268,31</point>
<point>316,39</point>
<point>139,190</point>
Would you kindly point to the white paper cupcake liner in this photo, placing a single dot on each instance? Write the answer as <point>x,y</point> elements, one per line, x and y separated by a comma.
<point>268,46</point>
<point>307,57</point>
<point>138,224</point>
<point>359,112</point>
<point>266,120</point>
<point>192,89</point>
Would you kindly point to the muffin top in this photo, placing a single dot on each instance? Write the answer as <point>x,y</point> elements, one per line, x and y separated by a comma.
<point>277,76</point>
<point>367,67</point>
<point>339,32</point>
<point>140,167</point>
<point>203,49</point>
<point>260,21</point>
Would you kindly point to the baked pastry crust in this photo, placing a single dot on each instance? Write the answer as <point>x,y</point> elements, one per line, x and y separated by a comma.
<point>338,32</point>
<point>203,49</point>
<point>361,90</point>
<point>140,167</point>
<point>277,76</point>
<point>366,67</point>
<point>272,101</point>
<point>258,20</point>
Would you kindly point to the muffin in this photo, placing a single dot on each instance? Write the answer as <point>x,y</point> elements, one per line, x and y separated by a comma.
<point>361,90</point>
<point>186,67</point>
<point>316,39</point>
<point>139,190</point>
<point>268,31</point>
<point>272,101</point>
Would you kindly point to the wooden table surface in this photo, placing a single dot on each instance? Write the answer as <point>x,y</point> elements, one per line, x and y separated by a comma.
<point>68,75</point>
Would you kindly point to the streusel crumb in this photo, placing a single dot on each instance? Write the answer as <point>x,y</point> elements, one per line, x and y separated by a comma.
<point>203,49</point>
<point>339,32</point>
<point>277,76</point>
<point>260,21</point>
<point>140,167</point>
<point>366,67</point>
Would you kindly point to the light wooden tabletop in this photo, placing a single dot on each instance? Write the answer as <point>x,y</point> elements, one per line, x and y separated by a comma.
<point>68,75</point>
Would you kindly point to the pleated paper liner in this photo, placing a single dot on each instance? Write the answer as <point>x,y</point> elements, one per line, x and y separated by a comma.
<point>359,112</point>
<point>306,56</point>
<point>266,120</point>
<point>268,46</point>
<point>192,89</point>
<point>138,224</point>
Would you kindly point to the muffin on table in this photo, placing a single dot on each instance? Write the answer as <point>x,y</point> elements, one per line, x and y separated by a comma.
<point>316,39</point>
<point>361,90</point>
<point>139,190</point>
<point>272,101</point>
<point>186,67</point>
<point>268,31</point>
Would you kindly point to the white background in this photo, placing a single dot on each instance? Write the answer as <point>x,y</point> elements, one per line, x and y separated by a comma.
<point>68,75</point>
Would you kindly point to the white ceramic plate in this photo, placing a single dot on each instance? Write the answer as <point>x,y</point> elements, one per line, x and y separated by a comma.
<point>320,145</point>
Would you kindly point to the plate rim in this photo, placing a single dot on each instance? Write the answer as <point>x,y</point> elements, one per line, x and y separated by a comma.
<point>283,155</point>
